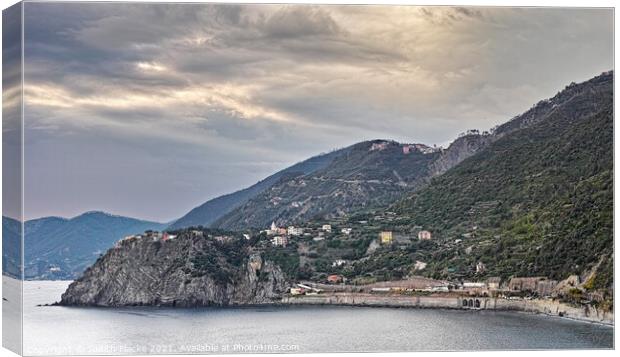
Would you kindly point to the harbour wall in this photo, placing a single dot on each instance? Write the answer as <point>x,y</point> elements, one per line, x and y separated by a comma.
<point>547,307</point>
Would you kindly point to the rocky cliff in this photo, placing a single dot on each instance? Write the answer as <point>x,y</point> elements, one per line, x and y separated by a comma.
<point>459,150</point>
<point>189,270</point>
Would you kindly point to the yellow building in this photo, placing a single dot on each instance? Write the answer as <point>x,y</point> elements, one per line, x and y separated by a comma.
<point>385,237</point>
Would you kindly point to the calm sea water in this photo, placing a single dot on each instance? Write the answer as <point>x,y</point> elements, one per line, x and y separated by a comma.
<point>63,330</point>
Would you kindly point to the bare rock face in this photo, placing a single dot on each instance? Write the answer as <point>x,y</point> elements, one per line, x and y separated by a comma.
<point>187,271</point>
<point>459,150</point>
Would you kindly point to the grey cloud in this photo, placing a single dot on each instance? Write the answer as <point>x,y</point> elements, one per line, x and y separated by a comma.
<point>299,21</point>
<point>200,100</point>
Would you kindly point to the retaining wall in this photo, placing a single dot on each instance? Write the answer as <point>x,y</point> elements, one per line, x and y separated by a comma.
<point>548,307</point>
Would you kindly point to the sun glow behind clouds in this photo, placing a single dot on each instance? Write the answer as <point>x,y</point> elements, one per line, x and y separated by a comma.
<point>280,83</point>
<point>149,66</point>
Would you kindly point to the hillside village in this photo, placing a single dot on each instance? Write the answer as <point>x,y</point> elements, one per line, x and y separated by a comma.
<point>338,278</point>
<point>362,256</point>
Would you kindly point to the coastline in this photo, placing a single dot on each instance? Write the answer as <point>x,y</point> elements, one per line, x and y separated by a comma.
<point>549,308</point>
<point>535,306</point>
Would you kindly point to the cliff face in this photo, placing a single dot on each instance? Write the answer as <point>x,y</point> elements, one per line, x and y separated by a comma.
<point>190,270</point>
<point>459,150</point>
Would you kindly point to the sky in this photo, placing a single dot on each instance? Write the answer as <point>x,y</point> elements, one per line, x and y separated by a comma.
<point>148,110</point>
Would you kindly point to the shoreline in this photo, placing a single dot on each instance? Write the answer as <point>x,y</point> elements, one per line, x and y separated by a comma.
<point>607,319</point>
<point>548,308</point>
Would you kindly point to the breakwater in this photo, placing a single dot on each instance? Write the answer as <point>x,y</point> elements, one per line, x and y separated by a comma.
<point>539,306</point>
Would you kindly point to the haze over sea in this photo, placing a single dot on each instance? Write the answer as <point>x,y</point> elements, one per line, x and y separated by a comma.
<point>71,330</point>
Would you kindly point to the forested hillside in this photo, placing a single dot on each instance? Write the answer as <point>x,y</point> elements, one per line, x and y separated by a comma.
<point>538,201</point>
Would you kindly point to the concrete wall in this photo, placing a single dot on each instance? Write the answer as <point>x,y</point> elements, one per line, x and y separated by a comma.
<point>549,307</point>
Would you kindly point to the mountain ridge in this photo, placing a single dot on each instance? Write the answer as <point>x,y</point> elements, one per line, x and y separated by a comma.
<point>61,248</point>
<point>213,209</point>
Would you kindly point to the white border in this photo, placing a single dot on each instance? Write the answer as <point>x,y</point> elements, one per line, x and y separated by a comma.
<point>486,3</point>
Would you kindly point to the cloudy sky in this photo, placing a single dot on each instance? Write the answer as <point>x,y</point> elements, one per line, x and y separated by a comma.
<point>148,110</point>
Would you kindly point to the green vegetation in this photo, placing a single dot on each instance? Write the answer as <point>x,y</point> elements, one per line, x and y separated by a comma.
<point>539,201</point>
<point>286,258</point>
<point>357,178</point>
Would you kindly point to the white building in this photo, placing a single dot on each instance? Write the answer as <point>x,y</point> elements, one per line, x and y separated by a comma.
<point>279,241</point>
<point>339,262</point>
<point>419,265</point>
<point>346,231</point>
<point>424,235</point>
<point>273,229</point>
<point>469,285</point>
<point>327,227</point>
<point>295,231</point>
<point>480,268</point>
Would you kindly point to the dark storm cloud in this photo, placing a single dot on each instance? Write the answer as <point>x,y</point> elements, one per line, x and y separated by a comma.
<point>150,109</point>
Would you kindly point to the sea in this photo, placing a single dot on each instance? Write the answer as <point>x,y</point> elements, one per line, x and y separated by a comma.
<point>55,330</point>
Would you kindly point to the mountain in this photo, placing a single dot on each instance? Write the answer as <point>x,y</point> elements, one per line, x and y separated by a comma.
<point>333,184</point>
<point>531,198</point>
<point>367,174</point>
<point>11,247</point>
<point>60,248</point>
<point>537,201</point>
<point>210,211</point>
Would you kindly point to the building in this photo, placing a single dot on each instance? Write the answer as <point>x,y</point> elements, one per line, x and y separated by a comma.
<point>407,149</point>
<point>318,239</point>
<point>339,262</point>
<point>470,285</point>
<point>279,241</point>
<point>494,283</point>
<point>327,228</point>
<point>294,231</point>
<point>378,146</point>
<point>386,237</point>
<point>223,239</point>
<point>480,268</point>
<point>246,236</point>
<point>524,284</point>
<point>419,265</point>
<point>167,236</point>
<point>297,291</point>
<point>346,231</point>
<point>273,229</point>
<point>546,287</point>
<point>424,235</point>
<point>334,279</point>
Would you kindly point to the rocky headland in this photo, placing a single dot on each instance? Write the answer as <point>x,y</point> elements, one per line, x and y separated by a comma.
<point>183,271</point>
